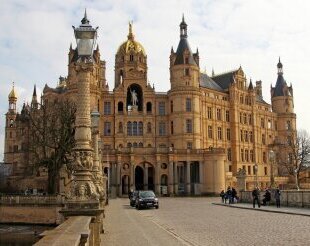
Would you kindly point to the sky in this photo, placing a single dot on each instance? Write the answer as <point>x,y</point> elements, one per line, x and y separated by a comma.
<point>35,38</point>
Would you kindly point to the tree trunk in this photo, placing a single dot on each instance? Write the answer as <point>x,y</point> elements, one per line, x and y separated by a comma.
<point>297,180</point>
<point>52,181</point>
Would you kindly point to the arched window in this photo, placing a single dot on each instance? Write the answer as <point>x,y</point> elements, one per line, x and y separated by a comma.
<point>135,145</point>
<point>140,128</point>
<point>129,145</point>
<point>129,128</point>
<point>135,128</point>
<point>120,107</point>
<point>149,107</point>
<point>140,145</point>
<point>149,127</point>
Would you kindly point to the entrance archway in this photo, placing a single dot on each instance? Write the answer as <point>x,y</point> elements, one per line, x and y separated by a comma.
<point>139,176</point>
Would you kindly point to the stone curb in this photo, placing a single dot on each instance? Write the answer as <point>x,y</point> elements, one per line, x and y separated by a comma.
<point>261,209</point>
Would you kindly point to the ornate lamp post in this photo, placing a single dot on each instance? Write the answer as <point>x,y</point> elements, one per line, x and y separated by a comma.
<point>271,159</point>
<point>256,173</point>
<point>84,187</point>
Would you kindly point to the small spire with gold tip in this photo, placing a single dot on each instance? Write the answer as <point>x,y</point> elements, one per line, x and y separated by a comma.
<point>130,34</point>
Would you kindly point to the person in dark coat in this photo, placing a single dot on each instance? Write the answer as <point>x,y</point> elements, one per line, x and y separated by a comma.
<point>277,196</point>
<point>267,197</point>
<point>255,195</point>
<point>229,195</point>
<point>233,195</point>
<point>222,195</point>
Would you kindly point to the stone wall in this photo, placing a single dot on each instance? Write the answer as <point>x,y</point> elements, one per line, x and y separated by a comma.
<point>31,209</point>
<point>290,198</point>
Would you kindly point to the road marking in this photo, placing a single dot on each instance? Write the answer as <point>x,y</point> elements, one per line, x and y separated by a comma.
<point>171,232</point>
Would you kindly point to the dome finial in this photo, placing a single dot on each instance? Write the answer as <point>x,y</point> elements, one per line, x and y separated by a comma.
<point>130,34</point>
<point>183,28</point>
<point>85,20</point>
<point>12,94</point>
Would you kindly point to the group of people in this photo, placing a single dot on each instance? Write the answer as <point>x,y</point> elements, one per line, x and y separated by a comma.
<point>267,197</point>
<point>230,195</point>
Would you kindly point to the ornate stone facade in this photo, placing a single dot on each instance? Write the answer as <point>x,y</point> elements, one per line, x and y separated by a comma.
<point>192,139</point>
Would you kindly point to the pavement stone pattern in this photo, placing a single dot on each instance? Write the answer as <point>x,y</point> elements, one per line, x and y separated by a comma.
<point>196,221</point>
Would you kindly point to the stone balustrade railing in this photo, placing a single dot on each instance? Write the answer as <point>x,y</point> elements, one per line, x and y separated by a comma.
<point>31,200</point>
<point>75,231</point>
<point>289,198</point>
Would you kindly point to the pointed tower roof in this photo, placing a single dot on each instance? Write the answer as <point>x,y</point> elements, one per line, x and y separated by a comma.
<point>281,83</point>
<point>183,46</point>
<point>251,85</point>
<point>12,94</point>
<point>34,94</point>
<point>85,20</point>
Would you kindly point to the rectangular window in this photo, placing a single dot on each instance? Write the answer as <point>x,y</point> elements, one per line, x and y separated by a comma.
<point>171,106</point>
<point>265,171</point>
<point>227,116</point>
<point>209,113</point>
<point>188,105</point>
<point>246,153</point>
<point>263,139</point>
<point>250,119</point>
<point>162,128</point>
<point>262,122</point>
<point>251,136</point>
<point>210,135</point>
<point>189,127</point>
<point>219,133</point>
<point>171,127</point>
<point>251,155</point>
<point>107,108</point>
<point>230,168</point>
<point>218,114</point>
<point>162,108</point>
<point>269,124</point>
<point>240,118</point>
<point>241,135</point>
<point>264,157</point>
<point>228,134</point>
<point>186,71</point>
<point>246,136</point>
<point>249,170</point>
<point>242,155</point>
<point>107,128</point>
<point>245,118</point>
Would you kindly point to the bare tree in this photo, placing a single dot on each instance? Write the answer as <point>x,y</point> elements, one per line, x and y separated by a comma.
<point>295,155</point>
<point>52,138</point>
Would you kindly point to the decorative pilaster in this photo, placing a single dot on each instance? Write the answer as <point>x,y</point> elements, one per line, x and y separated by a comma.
<point>176,180</point>
<point>188,177</point>
<point>170,178</point>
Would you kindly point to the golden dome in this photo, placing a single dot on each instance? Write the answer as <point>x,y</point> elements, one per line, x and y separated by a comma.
<point>131,45</point>
<point>13,93</point>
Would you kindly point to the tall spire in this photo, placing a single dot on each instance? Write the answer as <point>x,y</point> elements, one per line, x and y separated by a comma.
<point>12,94</point>
<point>183,28</point>
<point>280,67</point>
<point>34,101</point>
<point>34,94</point>
<point>130,33</point>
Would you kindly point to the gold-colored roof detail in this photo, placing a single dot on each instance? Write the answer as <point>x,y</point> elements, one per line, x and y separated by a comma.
<point>13,93</point>
<point>131,45</point>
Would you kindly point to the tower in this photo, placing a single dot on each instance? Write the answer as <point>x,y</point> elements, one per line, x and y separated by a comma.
<point>184,96</point>
<point>282,101</point>
<point>34,101</point>
<point>10,126</point>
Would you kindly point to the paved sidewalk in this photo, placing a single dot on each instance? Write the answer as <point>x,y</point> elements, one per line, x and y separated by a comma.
<point>270,208</point>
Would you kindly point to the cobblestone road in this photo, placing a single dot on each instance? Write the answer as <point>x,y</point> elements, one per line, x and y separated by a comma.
<point>195,221</point>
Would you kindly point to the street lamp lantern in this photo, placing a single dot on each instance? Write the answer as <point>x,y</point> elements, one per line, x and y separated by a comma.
<point>256,173</point>
<point>271,159</point>
<point>86,37</point>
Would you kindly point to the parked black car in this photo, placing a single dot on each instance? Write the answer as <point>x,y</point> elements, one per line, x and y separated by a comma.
<point>146,199</point>
<point>133,198</point>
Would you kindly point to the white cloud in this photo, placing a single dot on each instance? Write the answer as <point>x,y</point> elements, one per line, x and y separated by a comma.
<point>35,37</point>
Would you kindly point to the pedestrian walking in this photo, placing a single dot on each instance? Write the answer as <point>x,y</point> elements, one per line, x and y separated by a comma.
<point>255,195</point>
<point>222,195</point>
<point>233,195</point>
<point>267,197</point>
<point>229,194</point>
<point>277,196</point>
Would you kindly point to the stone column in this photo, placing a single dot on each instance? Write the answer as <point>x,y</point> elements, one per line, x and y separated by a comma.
<point>146,176</point>
<point>157,178</point>
<point>170,178</point>
<point>201,177</point>
<point>132,177</point>
<point>188,177</point>
<point>118,178</point>
<point>176,179</point>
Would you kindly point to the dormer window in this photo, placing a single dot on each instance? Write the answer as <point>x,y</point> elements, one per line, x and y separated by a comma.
<point>186,60</point>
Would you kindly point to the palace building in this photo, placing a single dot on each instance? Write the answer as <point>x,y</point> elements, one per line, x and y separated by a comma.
<point>195,138</point>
